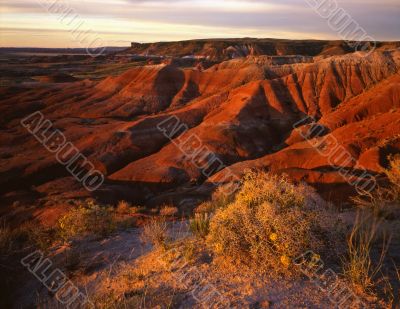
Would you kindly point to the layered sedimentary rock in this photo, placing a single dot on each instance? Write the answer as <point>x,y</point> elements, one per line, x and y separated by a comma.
<point>242,111</point>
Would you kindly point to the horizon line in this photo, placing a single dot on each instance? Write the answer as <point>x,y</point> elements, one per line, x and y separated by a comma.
<point>200,39</point>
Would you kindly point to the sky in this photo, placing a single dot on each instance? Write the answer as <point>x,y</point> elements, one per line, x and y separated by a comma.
<point>93,23</point>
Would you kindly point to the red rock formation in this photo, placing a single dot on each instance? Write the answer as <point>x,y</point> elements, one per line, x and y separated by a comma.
<point>242,110</point>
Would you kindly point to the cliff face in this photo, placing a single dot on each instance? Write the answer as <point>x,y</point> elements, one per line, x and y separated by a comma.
<point>243,111</point>
<point>223,49</point>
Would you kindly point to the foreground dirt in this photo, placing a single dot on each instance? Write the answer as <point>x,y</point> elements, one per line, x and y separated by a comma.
<point>123,272</point>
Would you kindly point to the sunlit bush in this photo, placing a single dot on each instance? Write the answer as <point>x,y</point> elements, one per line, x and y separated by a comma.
<point>270,222</point>
<point>123,207</point>
<point>87,218</point>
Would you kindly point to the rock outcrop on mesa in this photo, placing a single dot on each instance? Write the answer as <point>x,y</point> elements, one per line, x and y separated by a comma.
<point>224,49</point>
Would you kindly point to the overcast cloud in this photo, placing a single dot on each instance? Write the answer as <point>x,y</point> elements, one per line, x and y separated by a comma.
<point>118,22</point>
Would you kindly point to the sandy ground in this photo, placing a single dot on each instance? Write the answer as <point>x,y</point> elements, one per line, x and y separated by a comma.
<point>95,257</point>
<point>101,265</point>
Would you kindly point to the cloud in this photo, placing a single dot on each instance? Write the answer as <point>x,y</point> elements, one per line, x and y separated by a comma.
<point>150,20</point>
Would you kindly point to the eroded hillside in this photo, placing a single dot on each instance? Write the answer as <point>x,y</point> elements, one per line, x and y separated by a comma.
<point>243,111</point>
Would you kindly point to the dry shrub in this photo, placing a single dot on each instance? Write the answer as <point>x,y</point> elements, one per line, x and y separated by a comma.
<point>156,233</point>
<point>270,222</point>
<point>384,201</point>
<point>88,218</point>
<point>168,211</point>
<point>220,198</point>
<point>123,207</point>
<point>258,187</point>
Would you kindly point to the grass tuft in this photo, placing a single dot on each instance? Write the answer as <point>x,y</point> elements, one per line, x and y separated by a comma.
<point>200,224</point>
<point>359,266</point>
<point>168,211</point>
<point>155,232</point>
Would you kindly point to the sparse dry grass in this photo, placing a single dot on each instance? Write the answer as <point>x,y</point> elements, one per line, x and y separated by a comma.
<point>359,267</point>
<point>200,224</point>
<point>264,226</point>
<point>26,235</point>
<point>375,227</point>
<point>393,174</point>
<point>6,239</point>
<point>125,215</point>
<point>168,211</point>
<point>143,284</point>
<point>384,201</point>
<point>72,259</point>
<point>205,208</point>
<point>123,207</point>
<point>14,244</point>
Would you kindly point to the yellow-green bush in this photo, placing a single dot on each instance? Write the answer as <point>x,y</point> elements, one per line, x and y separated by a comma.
<point>87,218</point>
<point>270,222</point>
